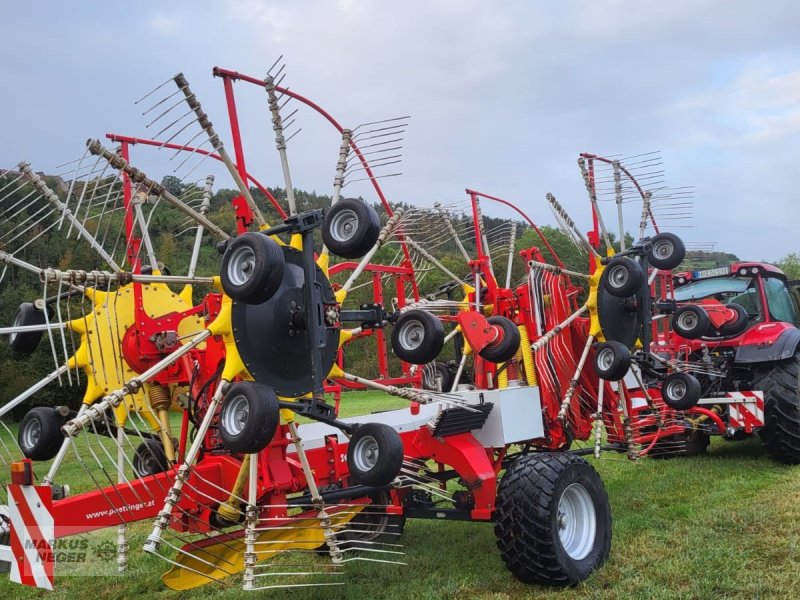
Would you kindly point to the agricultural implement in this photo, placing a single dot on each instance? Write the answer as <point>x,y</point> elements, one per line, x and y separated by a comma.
<point>239,484</point>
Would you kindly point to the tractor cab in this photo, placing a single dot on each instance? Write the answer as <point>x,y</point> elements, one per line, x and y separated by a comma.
<point>751,285</point>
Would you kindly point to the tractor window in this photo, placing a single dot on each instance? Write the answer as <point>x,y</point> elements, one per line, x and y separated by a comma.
<point>779,301</point>
<point>740,290</point>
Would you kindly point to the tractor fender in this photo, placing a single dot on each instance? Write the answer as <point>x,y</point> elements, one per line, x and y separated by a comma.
<point>758,351</point>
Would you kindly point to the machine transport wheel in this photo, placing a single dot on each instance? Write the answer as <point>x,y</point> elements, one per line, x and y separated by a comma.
<point>667,251</point>
<point>694,443</point>
<point>553,519</point>
<point>252,268</point>
<point>780,382</point>
<point>27,341</point>
<point>691,321</point>
<point>680,391</point>
<point>612,360</point>
<point>350,228</point>
<point>738,325</point>
<point>40,434</point>
<point>249,417</point>
<point>417,337</point>
<point>506,346</point>
<point>374,524</point>
<point>374,454</point>
<point>439,379</point>
<point>622,277</point>
<point>149,458</point>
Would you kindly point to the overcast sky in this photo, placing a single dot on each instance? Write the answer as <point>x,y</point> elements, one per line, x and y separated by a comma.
<point>503,95</point>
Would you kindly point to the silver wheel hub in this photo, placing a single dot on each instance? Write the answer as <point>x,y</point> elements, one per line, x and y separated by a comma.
<point>366,453</point>
<point>605,359</point>
<point>663,249</point>
<point>234,417</point>
<point>676,390</point>
<point>344,225</point>
<point>411,335</point>
<point>688,321</point>
<point>618,276</point>
<point>32,434</point>
<point>241,265</point>
<point>577,521</point>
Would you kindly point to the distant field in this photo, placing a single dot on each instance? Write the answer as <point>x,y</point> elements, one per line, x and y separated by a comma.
<point>721,526</point>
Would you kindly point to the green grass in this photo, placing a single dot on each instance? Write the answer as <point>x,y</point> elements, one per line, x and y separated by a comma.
<point>720,526</point>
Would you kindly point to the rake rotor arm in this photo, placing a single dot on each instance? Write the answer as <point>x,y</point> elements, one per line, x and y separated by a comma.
<point>137,176</point>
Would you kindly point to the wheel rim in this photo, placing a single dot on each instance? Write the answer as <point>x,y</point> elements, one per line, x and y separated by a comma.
<point>344,225</point>
<point>577,521</point>
<point>241,265</point>
<point>235,415</point>
<point>663,249</point>
<point>688,321</point>
<point>605,358</point>
<point>411,335</point>
<point>17,323</point>
<point>146,462</point>
<point>676,390</point>
<point>618,276</point>
<point>32,434</point>
<point>366,453</point>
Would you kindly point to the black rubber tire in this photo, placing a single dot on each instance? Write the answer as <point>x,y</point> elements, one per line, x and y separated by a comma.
<point>680,391</point>
<point>622,277</point>
<point>612,360</point>
<point>252,268</point>
<point>350,228</point>
<point>364,467</point>
<point>39,434</point>
<point>694,443</point>
<point>149,458</point>
<point>527,521</point>
<point>26,342</point>
<point>780,435</point>
<point>374,524</point>
<point>691,322</point>
<point>417,337</point>
<point>506,348</point>
<point>249,417</point>
<point>739,325</point>
<point>667,252</point>
<point>443,378</point>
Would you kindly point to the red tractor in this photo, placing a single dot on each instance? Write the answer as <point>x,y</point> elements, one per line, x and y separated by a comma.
<point>738,326</point>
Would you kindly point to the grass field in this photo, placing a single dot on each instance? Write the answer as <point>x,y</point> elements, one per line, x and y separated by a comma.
<point>721,526</point>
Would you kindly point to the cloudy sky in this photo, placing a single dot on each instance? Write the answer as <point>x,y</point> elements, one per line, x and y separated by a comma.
<point>503,95</point>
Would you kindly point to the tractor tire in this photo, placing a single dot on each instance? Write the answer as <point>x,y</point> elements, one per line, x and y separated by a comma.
<point>374,454</point>
<point>694,443</point>
<point>252,268</point>
<point>149,458</point>
<point>780,435</point>
<point>622,277</point>
<point>417,337</point>
<point>507,347</point>
<point>249,416</point>
<point>552,519</point>
<point>350,228</point>
<point>26,342</point>
<point>39,435</point>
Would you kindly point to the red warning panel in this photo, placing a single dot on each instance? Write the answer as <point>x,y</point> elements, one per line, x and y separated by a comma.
<point>30,510</point>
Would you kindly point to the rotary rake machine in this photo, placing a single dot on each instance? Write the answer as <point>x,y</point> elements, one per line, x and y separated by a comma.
<point>238,486</point>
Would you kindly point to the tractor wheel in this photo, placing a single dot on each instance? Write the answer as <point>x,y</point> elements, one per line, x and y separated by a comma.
<point>249,417</point>
<point>552,519</point>
<point>440,380</point>
<point>691,322</point>
<point>622,277</point>
<point>506,347</point>
<point>612,360</point>
<point>667,251</point>
<point>40,434</point>
<point>417,337</point>
<point>739,323</point>
<point>149,458</point>
<point>780,434</point>
<point>680,391</point>
<point>26,342</point>
<point>350,228</point>
<point>374,454</point>
<point>252,268</point>
<point>693,443</point>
